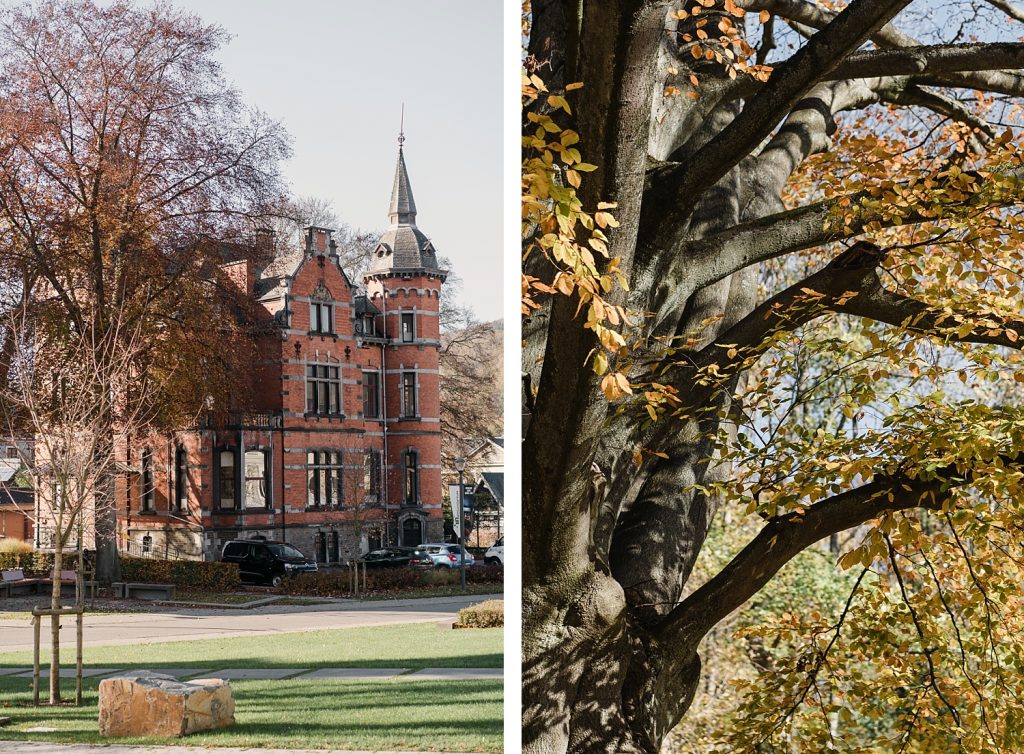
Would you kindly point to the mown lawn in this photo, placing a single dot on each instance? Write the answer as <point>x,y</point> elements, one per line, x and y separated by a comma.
<point>316,713</point>
<point>410,645</point>
<point>321,714</point>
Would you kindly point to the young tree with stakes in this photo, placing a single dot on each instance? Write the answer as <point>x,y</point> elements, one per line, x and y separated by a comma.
<point>699,208</point>
<point>51,393</point>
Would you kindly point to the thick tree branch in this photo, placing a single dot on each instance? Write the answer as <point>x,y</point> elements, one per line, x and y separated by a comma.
<point>932,62</point>
<point>679,184</point>
<point>848,285</point>
<point>926,60</point>
<point>786,536</point>
<point>816,17</point>
<point>804,227</point>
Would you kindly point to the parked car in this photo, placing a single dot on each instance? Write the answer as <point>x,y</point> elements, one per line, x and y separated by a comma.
<point>265,562</point>
<point>388,557</point>
<point>495,554</point>
<point>444,555</point>
<point>421,558</point>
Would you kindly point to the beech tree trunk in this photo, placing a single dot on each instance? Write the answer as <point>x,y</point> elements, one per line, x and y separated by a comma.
<point>610,634</point>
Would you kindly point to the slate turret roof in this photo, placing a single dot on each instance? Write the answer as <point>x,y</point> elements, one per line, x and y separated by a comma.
<point>403,246</point>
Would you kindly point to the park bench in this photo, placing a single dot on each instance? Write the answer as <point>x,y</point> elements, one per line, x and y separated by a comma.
<point>15,582</point>
<point>68,579</point>
<point>129,589</point>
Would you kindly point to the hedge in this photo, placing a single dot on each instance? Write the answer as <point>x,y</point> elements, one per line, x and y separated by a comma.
<point>489,614</point>
<point>207,576</point>
<point>41,563</point>
<point>337,582</point>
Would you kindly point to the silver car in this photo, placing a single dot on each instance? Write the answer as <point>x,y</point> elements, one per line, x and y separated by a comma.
<point>444,555</point>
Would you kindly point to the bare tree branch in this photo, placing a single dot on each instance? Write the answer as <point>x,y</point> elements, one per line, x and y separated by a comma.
<point>1008,7</point>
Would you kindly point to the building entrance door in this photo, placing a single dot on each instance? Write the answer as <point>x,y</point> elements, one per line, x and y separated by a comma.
<point>412,532</point>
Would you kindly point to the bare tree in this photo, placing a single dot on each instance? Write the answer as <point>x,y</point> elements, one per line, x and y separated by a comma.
<point>55,379</point>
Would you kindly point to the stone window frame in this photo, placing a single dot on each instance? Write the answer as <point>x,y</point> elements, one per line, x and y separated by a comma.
<point>332,380</point>
<point>180,477</point>
<point>218,483</point>
<point>267,488</point>
<point>373,469</point>
<point>377,402</point>
<point>405,376</point>
<point>319,466</point>
<point>147,483</point>
<point>411,476</point>
<point>404,335</point>
<point>321,307</point>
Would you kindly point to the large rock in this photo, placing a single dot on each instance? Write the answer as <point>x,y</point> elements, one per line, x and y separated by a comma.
<point>143,703</point>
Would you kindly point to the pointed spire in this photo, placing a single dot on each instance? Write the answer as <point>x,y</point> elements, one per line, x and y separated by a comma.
<point>403,246</point>
<point>403,206</point>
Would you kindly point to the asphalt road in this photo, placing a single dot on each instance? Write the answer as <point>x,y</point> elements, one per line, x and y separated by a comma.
<point>134,628</point>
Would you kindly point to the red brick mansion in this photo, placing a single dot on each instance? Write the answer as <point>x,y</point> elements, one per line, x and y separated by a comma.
<point>343,453</point>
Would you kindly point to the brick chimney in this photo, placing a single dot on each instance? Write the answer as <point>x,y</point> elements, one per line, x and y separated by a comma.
<point>318,240</point>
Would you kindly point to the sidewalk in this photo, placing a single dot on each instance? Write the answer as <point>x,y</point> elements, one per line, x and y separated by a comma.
<point>20,747</point>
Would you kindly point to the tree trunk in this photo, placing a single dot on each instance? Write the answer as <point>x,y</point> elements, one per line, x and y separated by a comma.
<point>608,544</point>
<point>108,566</point>
<point>58,564</point>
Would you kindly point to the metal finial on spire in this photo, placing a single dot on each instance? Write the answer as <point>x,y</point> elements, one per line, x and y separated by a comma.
<point>401,129</point>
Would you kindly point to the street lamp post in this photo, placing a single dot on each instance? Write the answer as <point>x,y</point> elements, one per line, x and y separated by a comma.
<point>460,466</point>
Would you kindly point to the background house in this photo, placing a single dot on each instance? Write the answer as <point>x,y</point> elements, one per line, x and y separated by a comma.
<point>484,480</point>
<point>16,505</point>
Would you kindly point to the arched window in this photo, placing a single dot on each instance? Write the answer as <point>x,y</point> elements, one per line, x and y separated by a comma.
<point>147,545</point>
<point>412,532</point>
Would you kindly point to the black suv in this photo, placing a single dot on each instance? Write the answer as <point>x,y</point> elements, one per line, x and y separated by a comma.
<point>264,561</point>
<point>388,557</point>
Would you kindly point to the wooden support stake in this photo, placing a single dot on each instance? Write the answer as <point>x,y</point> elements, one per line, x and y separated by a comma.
<point>35,659</point>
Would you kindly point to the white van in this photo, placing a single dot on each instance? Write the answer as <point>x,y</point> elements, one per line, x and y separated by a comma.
<point>495,554</point>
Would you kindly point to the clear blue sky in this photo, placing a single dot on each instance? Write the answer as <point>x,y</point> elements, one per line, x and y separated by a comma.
<point>336,73</point>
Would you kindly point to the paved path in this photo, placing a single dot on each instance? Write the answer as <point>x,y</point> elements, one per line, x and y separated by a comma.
<point>18,747</point>
<point>140,628</point>
<point>301,674</point>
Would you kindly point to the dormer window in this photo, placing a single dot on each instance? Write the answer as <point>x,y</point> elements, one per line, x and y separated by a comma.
<point>321,318</point>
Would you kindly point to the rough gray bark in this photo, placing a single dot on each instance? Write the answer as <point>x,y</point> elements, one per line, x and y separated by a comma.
<point>609,646</point>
